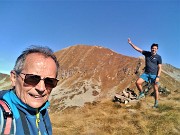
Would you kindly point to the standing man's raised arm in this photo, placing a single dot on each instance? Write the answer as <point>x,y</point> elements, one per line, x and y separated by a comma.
<point>134,46</point>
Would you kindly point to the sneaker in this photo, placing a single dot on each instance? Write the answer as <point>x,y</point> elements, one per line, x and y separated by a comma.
<point>155,105</point>
<point>141,96</point>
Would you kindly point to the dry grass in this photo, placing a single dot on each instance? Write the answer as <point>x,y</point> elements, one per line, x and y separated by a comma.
<point>108,118</point>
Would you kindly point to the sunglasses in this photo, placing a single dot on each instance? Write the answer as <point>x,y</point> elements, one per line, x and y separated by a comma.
<point>33,80</point>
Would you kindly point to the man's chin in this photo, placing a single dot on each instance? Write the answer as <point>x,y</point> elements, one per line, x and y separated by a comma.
<point>36,104</point>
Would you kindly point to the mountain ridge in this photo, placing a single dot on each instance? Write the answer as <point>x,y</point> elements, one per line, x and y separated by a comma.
<point>91,73</point>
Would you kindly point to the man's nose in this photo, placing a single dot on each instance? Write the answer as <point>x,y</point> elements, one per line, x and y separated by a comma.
<point>41,86</point>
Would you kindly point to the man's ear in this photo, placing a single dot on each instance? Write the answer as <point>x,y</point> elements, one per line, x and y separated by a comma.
<point>13,78</point>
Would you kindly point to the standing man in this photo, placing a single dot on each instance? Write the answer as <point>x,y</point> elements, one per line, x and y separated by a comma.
<point>33,78</point>
<point>152,72</point>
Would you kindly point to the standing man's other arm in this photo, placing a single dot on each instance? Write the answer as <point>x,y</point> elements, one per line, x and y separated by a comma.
<point>134,46</point>
<point>159,72</point>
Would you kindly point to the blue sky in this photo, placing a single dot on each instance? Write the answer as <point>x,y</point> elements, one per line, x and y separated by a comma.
<point>108,23</point>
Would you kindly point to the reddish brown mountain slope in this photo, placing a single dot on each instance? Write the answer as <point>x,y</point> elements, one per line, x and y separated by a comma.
<point>97,63</point>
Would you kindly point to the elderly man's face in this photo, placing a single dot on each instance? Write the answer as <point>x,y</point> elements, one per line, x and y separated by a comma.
<point>34,95</point>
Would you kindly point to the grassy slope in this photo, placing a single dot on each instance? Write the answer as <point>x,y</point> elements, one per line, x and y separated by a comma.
<point>108,118</point>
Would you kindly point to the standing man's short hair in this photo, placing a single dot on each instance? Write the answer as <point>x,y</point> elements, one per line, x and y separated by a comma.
<point>154,44</point>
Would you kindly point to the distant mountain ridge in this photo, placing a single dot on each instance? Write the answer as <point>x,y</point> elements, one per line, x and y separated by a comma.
<point>4,81</point>
<point>172,71</point>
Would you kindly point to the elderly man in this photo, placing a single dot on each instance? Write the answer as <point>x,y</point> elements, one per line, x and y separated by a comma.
<point>152,72</point>
<point>33,78</point>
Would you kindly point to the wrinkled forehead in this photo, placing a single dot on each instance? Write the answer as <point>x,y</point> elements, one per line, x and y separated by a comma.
<point>39,63</point>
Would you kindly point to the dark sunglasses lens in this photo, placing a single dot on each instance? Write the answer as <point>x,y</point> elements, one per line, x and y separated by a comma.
<point>32,79</point>
<point>50,82</point>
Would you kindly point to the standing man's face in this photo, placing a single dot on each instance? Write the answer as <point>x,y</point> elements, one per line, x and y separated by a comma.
<point>34,95</point>
<point>154,50</point>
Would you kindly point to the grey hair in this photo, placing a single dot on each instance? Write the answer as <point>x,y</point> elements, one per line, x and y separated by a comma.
<point>45,51</point>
